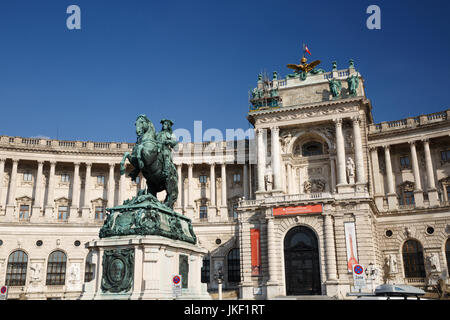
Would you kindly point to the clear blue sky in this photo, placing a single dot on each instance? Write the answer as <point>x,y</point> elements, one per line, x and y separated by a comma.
<point>196,60</point>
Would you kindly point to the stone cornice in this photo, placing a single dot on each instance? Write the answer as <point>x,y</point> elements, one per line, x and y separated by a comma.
<point>349,106</point>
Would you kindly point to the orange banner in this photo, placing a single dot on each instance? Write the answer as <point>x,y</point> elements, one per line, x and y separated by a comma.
<point>256,251</point>
<point>285,211</point>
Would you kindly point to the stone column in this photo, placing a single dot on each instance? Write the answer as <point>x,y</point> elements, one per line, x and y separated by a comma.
<point>418,193</point>
<point>275,153</point>
<point>122,188</point>
<point>272,288</point>
<point>51,191</point>
<point>246,182</point>
<point>330,249</point>
<point>290,180</point>
<point>212,184</point>
<point>11,203</point>
<point>111,186</point>
<point>392,196</point>
<point>340,157</point>
<point>333,174</point>
<point>190,196</point>
<point>87,188</point>
<point>38,192</point>
<point>2,176</point>
<point>378,195</point>
<point>359,159</point>
<point>261,160</point>
<point>224,207</point>
<point>432,192</point>
<point>75,191</point>
<point>180,186</point>
<point>12,184</point>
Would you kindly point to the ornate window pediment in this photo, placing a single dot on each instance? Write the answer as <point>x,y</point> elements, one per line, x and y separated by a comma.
<point>24,200</point>
<point>63,201</point>
<point>407,186</point>
<point>98,202</point>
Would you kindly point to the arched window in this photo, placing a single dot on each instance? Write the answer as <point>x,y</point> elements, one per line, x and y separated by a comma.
<point>89,268</point>
<point>56,269</point>
<point>16,272</point>
<point>413,259</point>
<point>205,270</point>
<point>234,265</point>
<point>312,148</point>
<point>447,254</point>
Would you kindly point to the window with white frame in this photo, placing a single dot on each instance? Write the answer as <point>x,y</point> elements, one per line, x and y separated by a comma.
<point>100,179</point>
<point>27,176</point>
<point>24,212</point>
<point>65,177</point>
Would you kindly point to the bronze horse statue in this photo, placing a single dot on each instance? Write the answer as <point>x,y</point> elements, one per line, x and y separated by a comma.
<point>148,157</point>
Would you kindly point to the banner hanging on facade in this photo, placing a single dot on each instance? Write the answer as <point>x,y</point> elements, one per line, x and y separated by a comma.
<point>256,251</point>
<point>350,243</point>
<point>285,211</point>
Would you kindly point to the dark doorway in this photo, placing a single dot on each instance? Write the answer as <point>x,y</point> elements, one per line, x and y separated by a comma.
<point>301,262</point>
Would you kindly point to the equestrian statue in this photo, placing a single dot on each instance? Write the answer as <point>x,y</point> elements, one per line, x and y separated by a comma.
<point>152,155</point>
<point>144,214</point>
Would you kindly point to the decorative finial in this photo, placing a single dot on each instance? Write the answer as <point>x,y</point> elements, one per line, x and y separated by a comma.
<point>334,65</point>
<point>275,76</point>
<point>259,77</point>
<point>352,66</point>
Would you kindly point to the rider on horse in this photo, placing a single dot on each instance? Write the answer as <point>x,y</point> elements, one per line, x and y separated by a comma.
<point>168,141</point>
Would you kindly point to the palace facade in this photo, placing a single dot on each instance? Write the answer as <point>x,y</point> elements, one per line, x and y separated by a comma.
<point>325,188</point>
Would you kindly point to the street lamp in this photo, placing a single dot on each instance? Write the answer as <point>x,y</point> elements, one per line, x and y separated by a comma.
<point>219,278</point>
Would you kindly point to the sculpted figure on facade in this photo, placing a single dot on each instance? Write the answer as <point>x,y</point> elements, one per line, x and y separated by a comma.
<point>268,178</point>
<point>391,262</point>
<point>35,272</point>
<point>350,170</point>
<point>433,261</point>
<point>353,82</point>
<point>335,87</point>
<point>74,273</point>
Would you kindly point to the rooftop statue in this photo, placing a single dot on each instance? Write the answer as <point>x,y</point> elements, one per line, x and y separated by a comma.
<point>353,83</point>
<point>335,87</point>
<point>144,214</point>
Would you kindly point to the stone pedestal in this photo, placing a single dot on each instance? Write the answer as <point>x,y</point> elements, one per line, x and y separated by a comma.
<point>141,268</point>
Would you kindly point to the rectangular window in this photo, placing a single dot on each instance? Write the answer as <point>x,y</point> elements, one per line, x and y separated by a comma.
<point>237,177</point>
<point>63,213</point>
<point>408,197</point>
<point>404,162</point>
<point>202,179</point>
<point>24,213</point>
<point>235,213</point>
<point>203,212</point>
<point>205,270</point>
<point>65,177</point>
<point>100,179</point>
<point>99,213</point>
<point>27,176</point>
<point>445,156</point>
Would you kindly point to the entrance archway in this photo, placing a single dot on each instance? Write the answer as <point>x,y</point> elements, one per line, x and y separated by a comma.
<point>301,262</point>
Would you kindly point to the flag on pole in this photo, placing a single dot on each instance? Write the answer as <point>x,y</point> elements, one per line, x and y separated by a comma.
<point>307,50</point>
